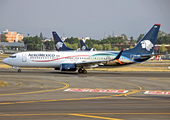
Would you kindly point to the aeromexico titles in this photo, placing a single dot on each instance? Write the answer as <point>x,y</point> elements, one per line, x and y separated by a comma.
<point>66,59</point>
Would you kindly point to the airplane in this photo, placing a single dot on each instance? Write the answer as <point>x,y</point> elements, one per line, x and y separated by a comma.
<point>83,46</point>
<point>58,43</point>
<point>80,60</point>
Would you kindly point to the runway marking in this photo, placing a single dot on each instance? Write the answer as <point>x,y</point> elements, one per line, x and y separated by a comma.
<point>66,86</point>
<point>134,91</point>
<point>50,114</point>
<point>140,88</point>
<point>157,92</point>
<point>158,79</point>
<point>88,98</point>
<point>154,79</point>
<point>96,90</point>
<point>90,116</point>
<point>128,113</point>
<point>55,100</point>
<point>160,104</point>
<point>83,114</point>
<point>147,99</point>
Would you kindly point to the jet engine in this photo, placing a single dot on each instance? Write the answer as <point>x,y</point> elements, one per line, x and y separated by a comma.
<point>68,67</point>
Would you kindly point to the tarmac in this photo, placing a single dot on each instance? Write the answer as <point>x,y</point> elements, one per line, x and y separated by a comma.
<point>43,94</point>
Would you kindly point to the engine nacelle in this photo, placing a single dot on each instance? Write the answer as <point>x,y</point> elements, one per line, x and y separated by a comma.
<point>68,67</point>
<point>57,68</point>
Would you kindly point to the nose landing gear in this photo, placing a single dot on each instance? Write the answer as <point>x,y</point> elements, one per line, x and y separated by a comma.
<point>18,68</point>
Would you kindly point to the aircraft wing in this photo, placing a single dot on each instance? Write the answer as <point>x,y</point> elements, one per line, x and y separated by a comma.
<point>89,63</point>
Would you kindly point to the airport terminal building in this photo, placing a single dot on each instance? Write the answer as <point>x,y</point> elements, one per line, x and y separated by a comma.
<point>7,47</point>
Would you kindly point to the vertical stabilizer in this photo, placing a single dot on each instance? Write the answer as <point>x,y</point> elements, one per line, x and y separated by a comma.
<point>147,43</point>
<point>59,44</point>
<point>83,46</point>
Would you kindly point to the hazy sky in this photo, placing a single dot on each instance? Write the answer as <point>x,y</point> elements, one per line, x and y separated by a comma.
<point>82,18</point>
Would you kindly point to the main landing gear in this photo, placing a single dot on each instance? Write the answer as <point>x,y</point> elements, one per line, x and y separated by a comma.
<point>19,70</point>
<point>81,70</point>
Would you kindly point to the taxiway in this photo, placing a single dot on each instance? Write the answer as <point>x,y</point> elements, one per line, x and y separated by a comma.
<point>40,94</point>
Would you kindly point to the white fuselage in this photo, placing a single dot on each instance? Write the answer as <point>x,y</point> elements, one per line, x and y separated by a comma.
<point>55,59</point>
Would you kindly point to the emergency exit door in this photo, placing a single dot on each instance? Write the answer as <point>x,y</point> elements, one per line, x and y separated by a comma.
<point>24,57</point>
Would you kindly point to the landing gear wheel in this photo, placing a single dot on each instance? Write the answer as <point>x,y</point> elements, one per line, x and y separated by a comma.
<point>19,70</point>
<point>80,70</point>
<point>84,71</point>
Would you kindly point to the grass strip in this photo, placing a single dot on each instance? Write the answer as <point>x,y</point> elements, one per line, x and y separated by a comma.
<point>2,83</point>
<point>5,55</point>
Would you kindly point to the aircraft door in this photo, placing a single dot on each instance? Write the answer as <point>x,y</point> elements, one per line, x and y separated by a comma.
<point>24,57</point>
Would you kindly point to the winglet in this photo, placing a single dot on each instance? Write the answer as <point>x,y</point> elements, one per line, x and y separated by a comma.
<point>118,56</point>
<point>158,24</point>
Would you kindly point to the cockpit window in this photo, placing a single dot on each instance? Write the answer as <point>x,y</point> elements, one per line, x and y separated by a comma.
<point>12,56</point>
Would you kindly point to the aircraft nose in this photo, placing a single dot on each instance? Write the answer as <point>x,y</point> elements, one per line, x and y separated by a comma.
<point>5,60</point>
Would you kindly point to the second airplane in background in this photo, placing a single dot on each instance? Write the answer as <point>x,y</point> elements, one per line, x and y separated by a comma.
<point>83,46</point>
<point>60,46</point>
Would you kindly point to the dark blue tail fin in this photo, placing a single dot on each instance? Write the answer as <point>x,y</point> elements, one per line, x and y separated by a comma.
<point>147,43</point>
<point>83,46</point>
<point>59,44</point>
